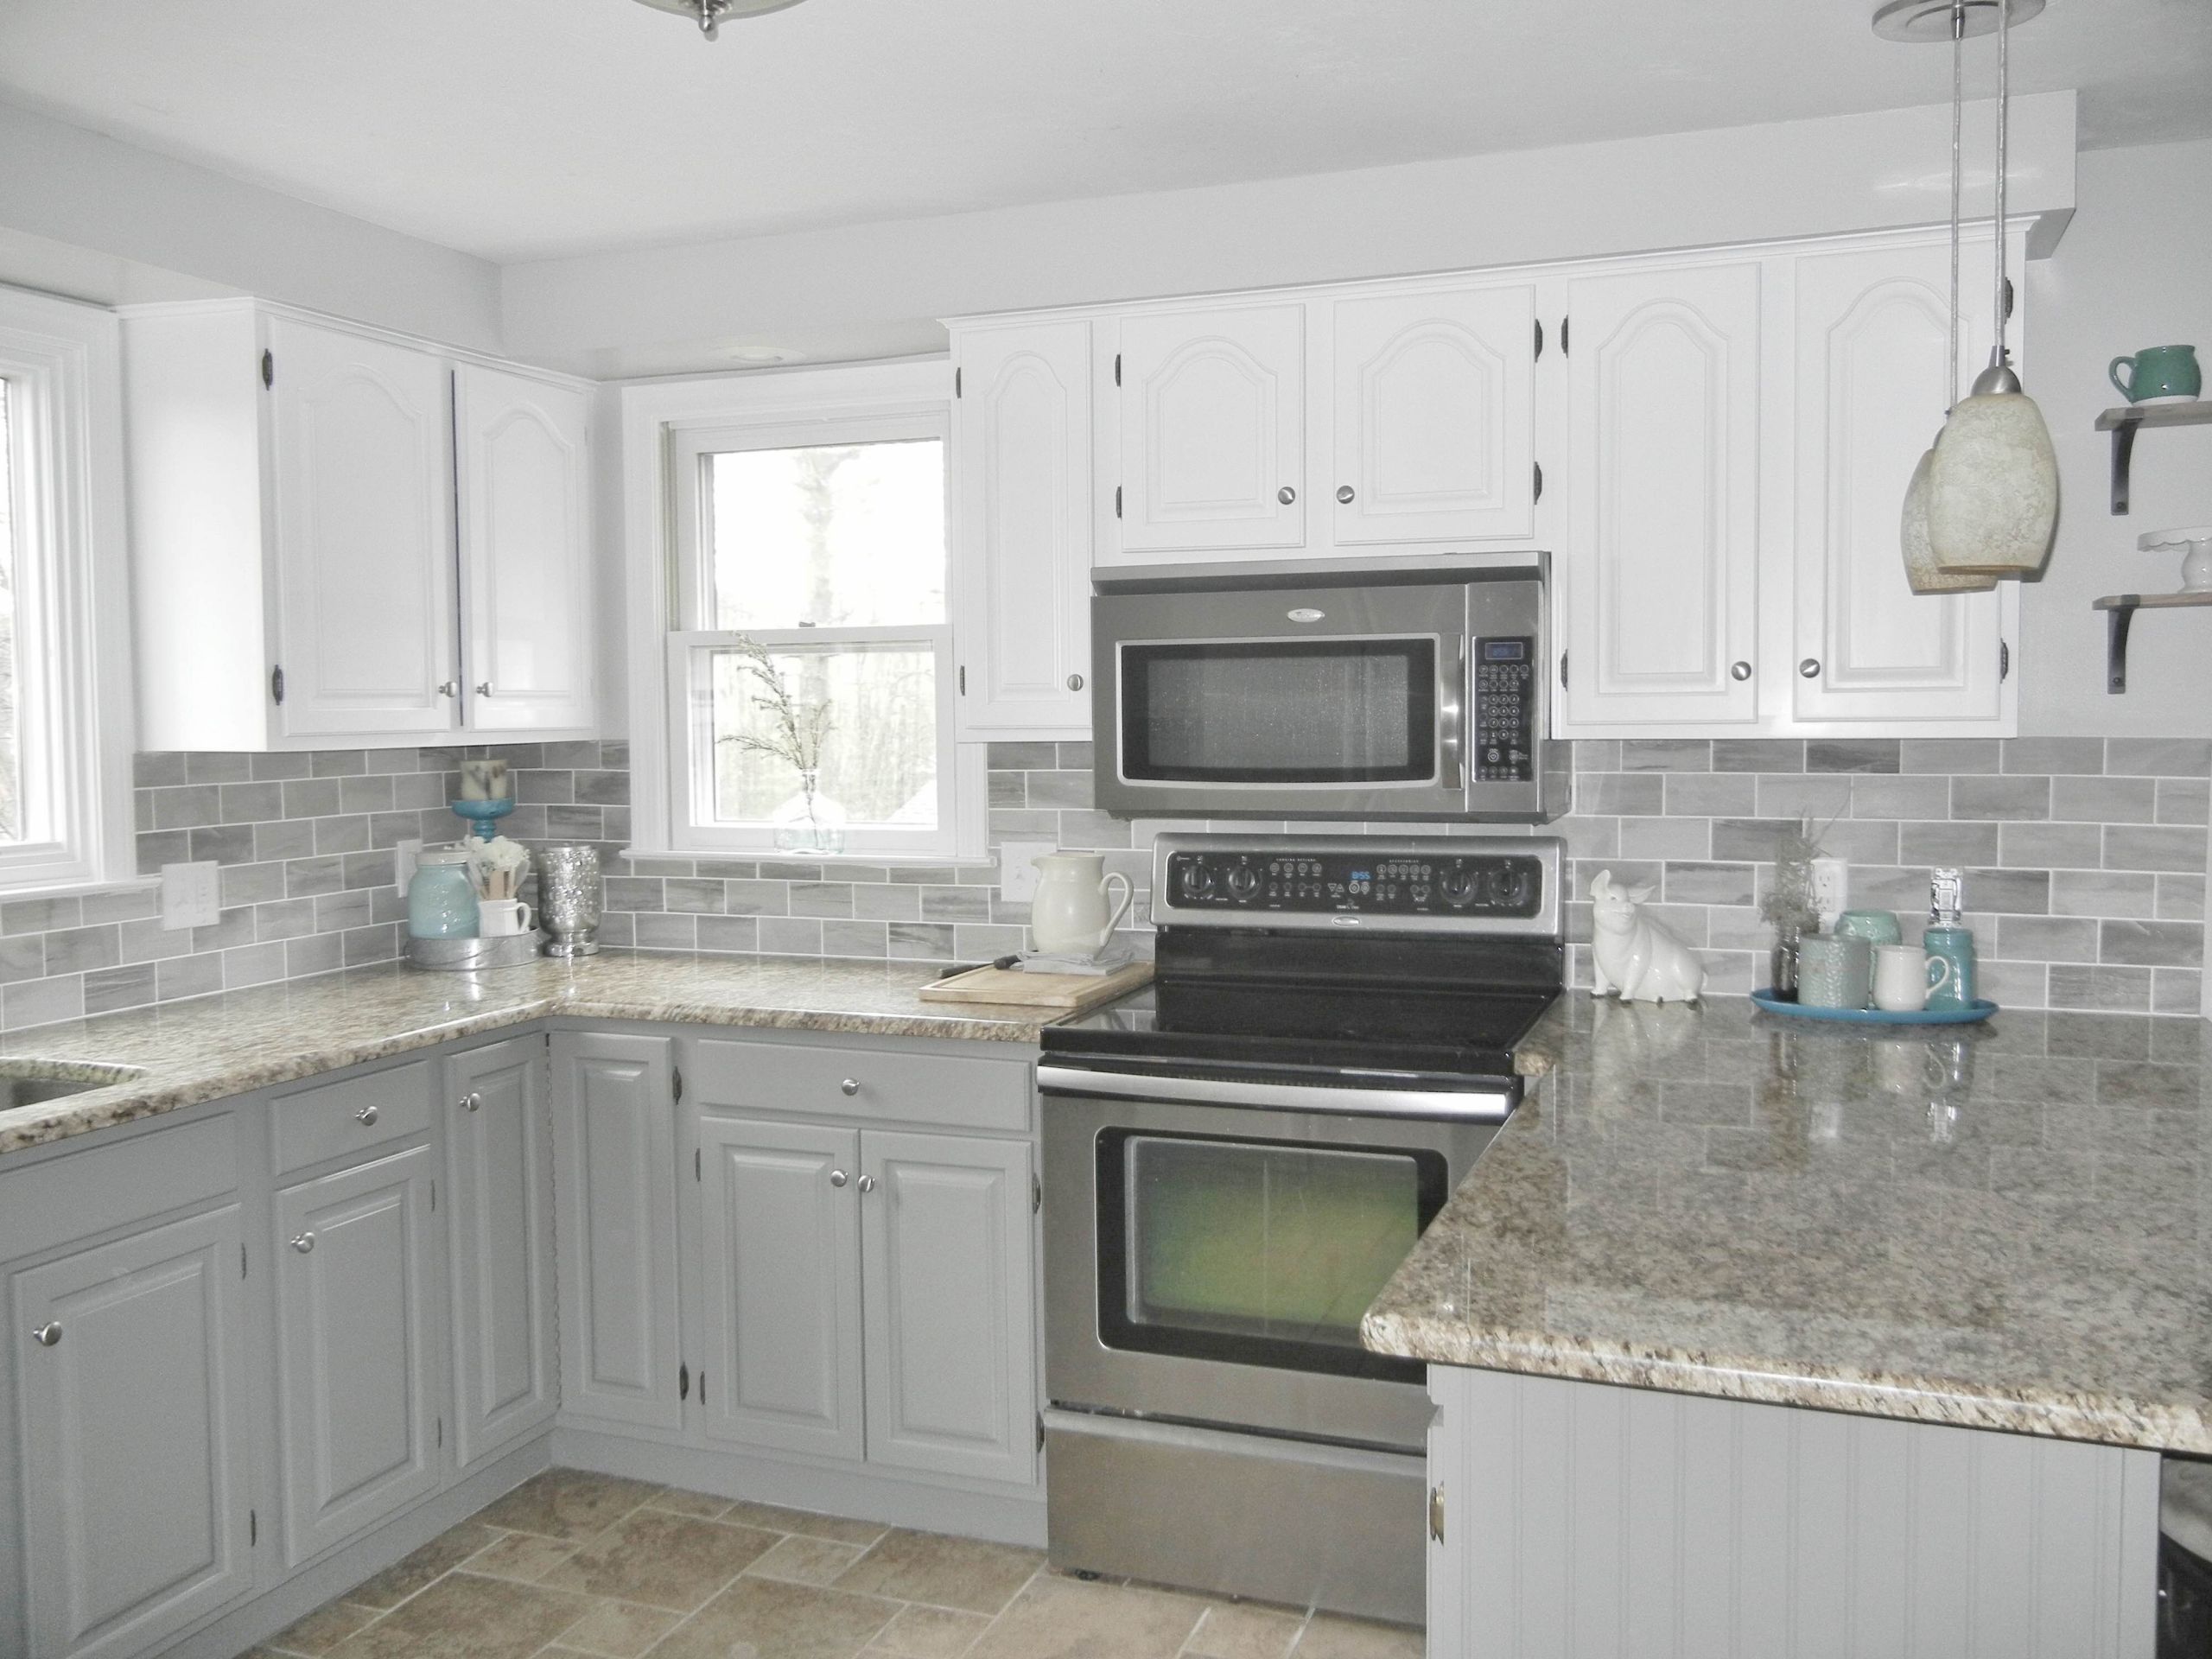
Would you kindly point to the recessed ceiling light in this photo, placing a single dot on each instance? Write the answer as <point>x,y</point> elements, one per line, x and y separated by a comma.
<point>761,356</point>
<point>709,14</point>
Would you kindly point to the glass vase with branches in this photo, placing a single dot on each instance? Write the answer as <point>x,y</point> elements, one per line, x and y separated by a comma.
<point>799,729</point>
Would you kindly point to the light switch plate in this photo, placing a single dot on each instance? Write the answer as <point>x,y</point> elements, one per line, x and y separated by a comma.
<point>1831,888</point>
<point>405,856</point>
<point>1018,868</point>
<point>192,895</point>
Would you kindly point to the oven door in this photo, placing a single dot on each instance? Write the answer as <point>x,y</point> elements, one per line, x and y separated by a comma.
<point>1283,702</point>
<point>1210,1264</point>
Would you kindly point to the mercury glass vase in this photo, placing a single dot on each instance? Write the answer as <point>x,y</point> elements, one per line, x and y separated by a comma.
<point>570,893</point>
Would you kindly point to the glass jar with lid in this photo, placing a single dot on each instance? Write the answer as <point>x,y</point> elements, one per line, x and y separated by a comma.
<point>441,897</point>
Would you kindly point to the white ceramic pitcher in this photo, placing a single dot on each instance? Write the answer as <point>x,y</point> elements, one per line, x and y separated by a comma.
<point>1069,917</point>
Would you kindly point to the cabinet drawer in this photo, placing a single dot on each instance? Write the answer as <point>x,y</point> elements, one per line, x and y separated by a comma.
<point>334,1119</point>
<point>886,1085</point>
<point>87,1193</point>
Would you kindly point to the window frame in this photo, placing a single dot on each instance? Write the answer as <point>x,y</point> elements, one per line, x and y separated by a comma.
<point>667,428</point>
<point>62,361</point>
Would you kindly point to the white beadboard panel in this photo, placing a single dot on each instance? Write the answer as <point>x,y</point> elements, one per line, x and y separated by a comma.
<point>1589,1521</point>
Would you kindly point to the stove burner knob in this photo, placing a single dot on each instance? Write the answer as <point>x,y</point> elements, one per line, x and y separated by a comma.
<point>1509,886</point>
<point>1243,882</point>
<point>1459,888</point>
<point>1197,881</point>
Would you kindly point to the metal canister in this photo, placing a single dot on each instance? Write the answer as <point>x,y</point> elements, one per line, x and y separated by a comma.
<point>568,896</point>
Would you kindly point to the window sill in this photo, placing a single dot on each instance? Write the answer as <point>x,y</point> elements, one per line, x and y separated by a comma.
<point>78,889</point>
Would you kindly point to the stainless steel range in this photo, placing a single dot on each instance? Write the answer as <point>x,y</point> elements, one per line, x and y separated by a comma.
<point>1236,1160</point>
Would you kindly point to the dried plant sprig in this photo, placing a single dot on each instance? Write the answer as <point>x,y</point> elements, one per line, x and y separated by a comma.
<point>799,726</point>
<point>1789,902</point>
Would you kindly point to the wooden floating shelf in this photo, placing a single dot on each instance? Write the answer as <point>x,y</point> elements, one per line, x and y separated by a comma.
<point>2124,421</point>
<point>2122,609</point>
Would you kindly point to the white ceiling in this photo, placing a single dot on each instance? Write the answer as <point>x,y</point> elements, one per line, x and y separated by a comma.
<point>531,128</point>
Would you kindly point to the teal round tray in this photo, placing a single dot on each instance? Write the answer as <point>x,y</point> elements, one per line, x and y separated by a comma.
<point>1973,1013</point>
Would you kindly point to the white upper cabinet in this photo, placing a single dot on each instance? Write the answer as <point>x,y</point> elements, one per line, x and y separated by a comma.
<point>525,551</point>
<point>1212,422</point>
<point>1658,575</point>
<point>1021,573</point>
<point>1431,417</point>
<point>297,570</point>
<point>1872,386</point>
<point>361,482</point>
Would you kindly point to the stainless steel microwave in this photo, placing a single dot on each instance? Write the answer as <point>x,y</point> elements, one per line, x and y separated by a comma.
<point>1403,692</point>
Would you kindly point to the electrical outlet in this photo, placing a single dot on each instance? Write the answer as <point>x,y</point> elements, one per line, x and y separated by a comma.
<point>1018,868</point>
<point>405,856</point>
<point>1831,888</point>
<point>192,895</point>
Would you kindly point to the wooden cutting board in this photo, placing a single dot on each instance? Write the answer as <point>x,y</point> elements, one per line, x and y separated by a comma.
<point>1011,986</point>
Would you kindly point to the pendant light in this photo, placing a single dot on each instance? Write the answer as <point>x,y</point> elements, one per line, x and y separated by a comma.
<point>1993,481</point>
<point>1922,569</point>
<point>710,14</point>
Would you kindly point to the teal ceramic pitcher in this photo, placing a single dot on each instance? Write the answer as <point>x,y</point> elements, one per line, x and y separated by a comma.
<point>2158,372</point>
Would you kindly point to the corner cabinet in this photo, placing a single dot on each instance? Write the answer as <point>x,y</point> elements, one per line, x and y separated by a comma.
<point>299,569</point>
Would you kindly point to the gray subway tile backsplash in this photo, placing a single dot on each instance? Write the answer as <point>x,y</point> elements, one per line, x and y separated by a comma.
<point>2086,862</point>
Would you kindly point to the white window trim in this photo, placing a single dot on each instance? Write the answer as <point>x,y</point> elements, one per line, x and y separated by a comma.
<point>663,421</point>
<point>63,362</point>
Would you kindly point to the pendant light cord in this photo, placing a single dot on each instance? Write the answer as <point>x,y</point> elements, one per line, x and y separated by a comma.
<point>1998,353</point>
<point>1958,111</point>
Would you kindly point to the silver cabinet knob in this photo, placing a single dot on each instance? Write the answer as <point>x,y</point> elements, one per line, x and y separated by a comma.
<point>471,1102</point>
<point>367,1114</point>
<point>1286,495</point>
<point>1740,672</point>
<point>1075,682</point>
<point>836,1178</point>
<point>304,1243</point>
<point>1810,668</point>
<point>867,1182</point>
<point>47,1334</point>
<point>449,689</point>
<point>850,1086</point>
<point>484,688</point>
<point>1343,494</point>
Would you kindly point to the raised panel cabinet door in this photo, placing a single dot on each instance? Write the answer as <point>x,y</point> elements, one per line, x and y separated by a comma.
<point>362,473</point>
<point>137,1460</point>
<point>521,472</point>
<point>1873,384</point>
<point>1660,570</point>
<point>614,1179</point>
<point>499,1231</point>
<point>1021,434</point>
<point>1212,428</point>
<point>356,1333</point>
<point>780,1219</point>
<point>946,1258</point>
<point>1433,411</point>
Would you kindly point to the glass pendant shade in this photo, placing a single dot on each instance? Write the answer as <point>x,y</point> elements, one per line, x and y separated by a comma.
<point>1921,569</point>
<point>1992,487</point>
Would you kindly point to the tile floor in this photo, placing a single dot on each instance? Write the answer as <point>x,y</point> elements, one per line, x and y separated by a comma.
<point>572,1564</point>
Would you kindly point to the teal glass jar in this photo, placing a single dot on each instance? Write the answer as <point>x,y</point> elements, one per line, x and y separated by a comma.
<point>441,897</point>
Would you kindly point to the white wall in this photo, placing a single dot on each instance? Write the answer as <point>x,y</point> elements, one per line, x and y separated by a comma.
<point>2135,269</point>
<point>98,219</point>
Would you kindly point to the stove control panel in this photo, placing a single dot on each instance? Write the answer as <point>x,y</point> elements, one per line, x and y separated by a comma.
<point>1387,881</point>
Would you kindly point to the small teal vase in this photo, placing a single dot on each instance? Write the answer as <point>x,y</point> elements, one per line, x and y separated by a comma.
<point>442,897</point>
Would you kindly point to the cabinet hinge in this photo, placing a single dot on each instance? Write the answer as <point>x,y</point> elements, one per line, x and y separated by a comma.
<point>1040,1431</point>
<point>277,683</point>
<point>1540,480</point>
<point>1562,668</point>
<point>1117,368</point>
<point>1539,336</point>
<point>955,383</point>
<point>696,1173</point>
<point>2008,297</point>
<point>268,368</point>
<point>253,1529</point>
<point>1564,350</point>
<point>703,1388</point>
<point>684,1381</point>
<point>442,1434</point>
<point>2004,662</point>
<point>676,1081</point>
<point>963,679</point>
<point>434,1198</point>
<point>1436,1512</point>
<point>241,1260</point>
<point>1036,1194</point>
<point>1117,501</point>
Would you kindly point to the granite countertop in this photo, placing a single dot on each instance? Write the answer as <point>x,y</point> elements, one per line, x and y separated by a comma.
<point>177,1055</point>
<point>2002,1226</point>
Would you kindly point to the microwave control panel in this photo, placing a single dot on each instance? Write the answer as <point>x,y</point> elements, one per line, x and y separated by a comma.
<point>1505,709</point>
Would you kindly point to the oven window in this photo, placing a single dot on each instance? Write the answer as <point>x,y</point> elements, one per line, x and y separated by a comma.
<point>1265,1253</point>
<point>1299,711</point>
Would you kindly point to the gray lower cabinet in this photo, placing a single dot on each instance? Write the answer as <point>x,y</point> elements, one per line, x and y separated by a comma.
<point>614,1143</point>
<point>357,1320</point>
<point>498,1216</point>
<point>136,1454</point>
<point>950,1330</point>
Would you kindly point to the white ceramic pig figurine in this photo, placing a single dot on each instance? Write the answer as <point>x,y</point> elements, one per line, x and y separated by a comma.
<point>1634,956</point>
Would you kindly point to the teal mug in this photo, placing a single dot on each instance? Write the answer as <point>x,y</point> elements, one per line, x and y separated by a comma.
<point>1955,946</point>
<point>2158,372</point>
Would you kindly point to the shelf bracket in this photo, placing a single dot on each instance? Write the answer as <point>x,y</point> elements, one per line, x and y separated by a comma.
<point>2117,620</point>
<point>2123,450</point>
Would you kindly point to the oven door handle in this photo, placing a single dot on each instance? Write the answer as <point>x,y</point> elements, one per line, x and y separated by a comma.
<point>1452,714</point>
<point>1493,1105</point>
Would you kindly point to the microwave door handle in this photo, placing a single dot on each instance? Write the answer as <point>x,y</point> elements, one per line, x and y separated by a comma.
<point>1452,716</point>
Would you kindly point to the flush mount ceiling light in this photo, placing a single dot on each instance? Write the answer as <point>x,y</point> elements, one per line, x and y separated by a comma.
<point>1984,500</point>
<point>710,14</point>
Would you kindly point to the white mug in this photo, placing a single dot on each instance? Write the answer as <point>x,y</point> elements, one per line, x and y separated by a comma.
<point>1903,979</point>
<point>499,918</point>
